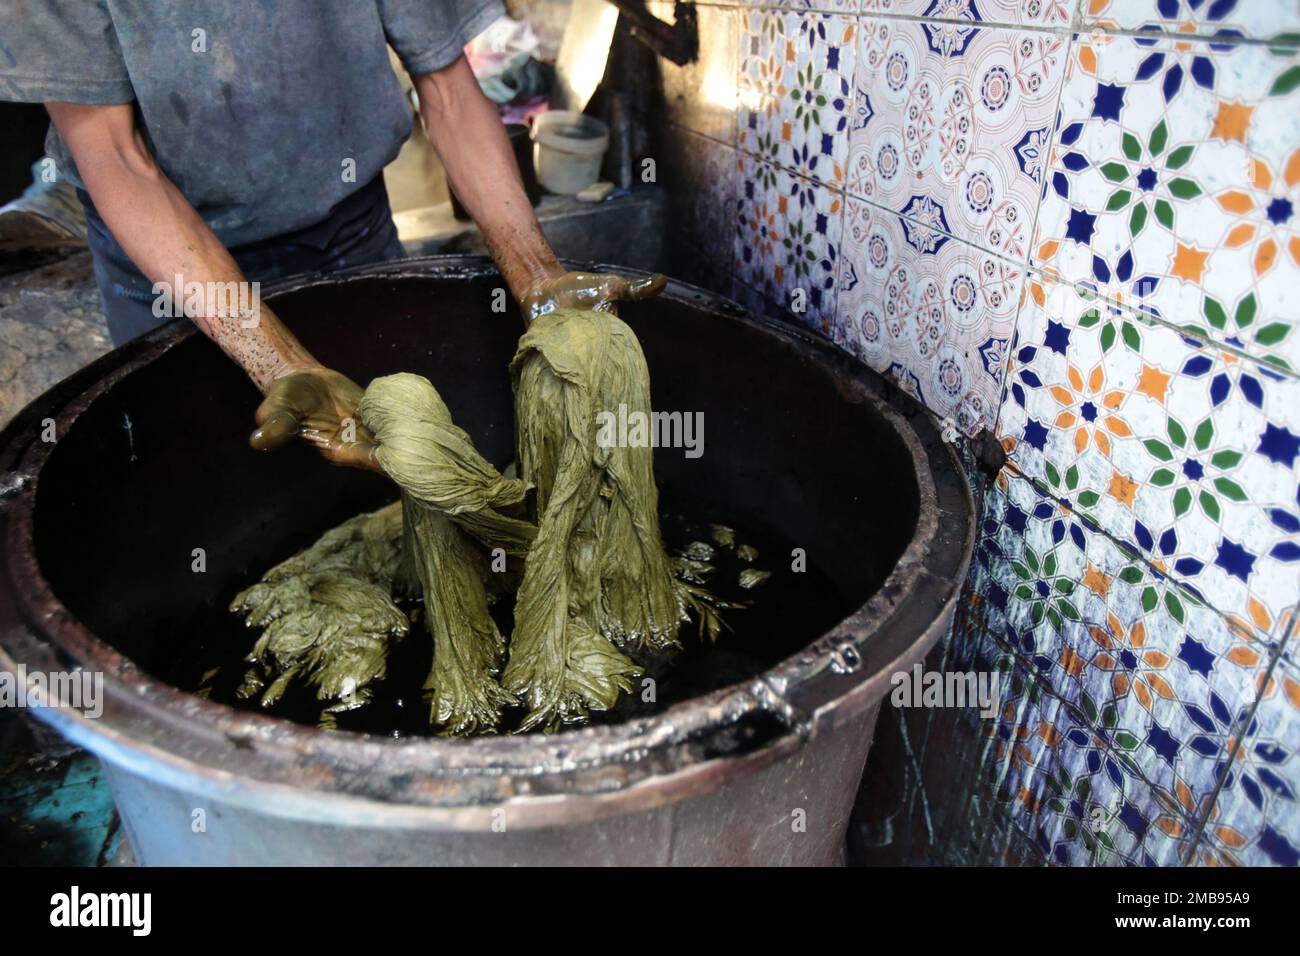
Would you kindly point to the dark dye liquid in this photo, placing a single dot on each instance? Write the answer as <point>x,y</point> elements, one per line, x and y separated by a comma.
<point>786,612</point>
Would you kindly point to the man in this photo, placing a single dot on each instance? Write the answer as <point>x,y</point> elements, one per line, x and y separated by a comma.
<point>215,140</point>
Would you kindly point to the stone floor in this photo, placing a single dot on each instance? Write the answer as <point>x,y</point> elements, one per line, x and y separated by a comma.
<point>55,807</point>
<point>51,323</point>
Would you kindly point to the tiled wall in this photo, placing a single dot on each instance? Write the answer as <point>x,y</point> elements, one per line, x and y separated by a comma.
<point>1073,224</point>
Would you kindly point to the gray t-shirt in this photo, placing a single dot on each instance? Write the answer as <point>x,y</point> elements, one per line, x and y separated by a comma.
<point>265,113</point>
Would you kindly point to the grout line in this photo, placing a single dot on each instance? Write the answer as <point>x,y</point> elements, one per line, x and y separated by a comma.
<point>1136,554</point>
<point>1003,386</point>
<point>1077,25</point>
<point>1049,689</point>
<point>839,260</point>
<point>1097,29</point>
<point>1030,269</point>
<point>1202,341</point>
<point>966,620</point>
<point>1239,742</point>
<point>1029,265</point>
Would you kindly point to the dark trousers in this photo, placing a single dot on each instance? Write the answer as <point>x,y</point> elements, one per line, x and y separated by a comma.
<point>357,231</point>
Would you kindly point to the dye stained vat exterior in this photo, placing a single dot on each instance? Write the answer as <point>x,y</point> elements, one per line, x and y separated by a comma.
<point>96,571</point>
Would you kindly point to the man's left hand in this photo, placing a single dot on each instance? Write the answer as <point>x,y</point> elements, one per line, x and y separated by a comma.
<point>589,290</point>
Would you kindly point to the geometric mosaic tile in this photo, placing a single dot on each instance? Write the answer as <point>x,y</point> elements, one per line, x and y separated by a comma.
<point>1051,14</point>
<point>933,313</point>
<point>796,72</point>
<point>1087,242</point>
<point>1256,821</point>
<point>1157,684</point>
<point>1064,786</point>
<point>787,237</point>
<point>1189,455</point>
<point>1262,19</point>
<point>952,129</point>
<point>1174,186</point>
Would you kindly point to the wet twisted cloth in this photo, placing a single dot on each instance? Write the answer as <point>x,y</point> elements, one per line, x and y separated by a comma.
<point>574,536</point>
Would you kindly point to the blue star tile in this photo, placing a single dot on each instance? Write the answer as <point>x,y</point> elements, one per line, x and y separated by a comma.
<point>1279,445</point>
<point>1035,434</point>
<point>1057,337</point>
<point>1080,226</point>
<point>1160,740</point>
<point>1235,559</point>
<point>1108,101</point>
<point>1196,657</point>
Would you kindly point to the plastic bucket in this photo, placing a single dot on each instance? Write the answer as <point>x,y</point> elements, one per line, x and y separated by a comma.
<point>567,150</point>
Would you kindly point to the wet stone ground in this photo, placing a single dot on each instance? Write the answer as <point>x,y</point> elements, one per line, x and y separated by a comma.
<point>55,807</point>
<point>51,323</point>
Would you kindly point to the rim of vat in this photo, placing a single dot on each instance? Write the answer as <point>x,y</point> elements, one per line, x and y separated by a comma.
<point>284,768</point>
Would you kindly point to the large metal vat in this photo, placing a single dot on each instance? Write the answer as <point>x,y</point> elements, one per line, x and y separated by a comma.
<point>150,462</point>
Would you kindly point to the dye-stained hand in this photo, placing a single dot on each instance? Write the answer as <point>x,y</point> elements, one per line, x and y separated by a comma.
<point>589,290</point>
<point>319,405</point>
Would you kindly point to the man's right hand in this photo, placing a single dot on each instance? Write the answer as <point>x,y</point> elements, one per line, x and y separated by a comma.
<point>320,405</point>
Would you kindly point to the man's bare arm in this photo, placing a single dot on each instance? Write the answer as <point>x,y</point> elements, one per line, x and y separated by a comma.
<point>165,238</point>
<point>163,234</point>
<point>467,133</point>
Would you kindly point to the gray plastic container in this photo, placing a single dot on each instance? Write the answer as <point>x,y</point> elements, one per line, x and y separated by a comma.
<point>568,148</point>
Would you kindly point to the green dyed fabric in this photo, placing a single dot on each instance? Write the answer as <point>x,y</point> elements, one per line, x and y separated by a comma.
<point>575,536</point>
<point>328,613</point>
